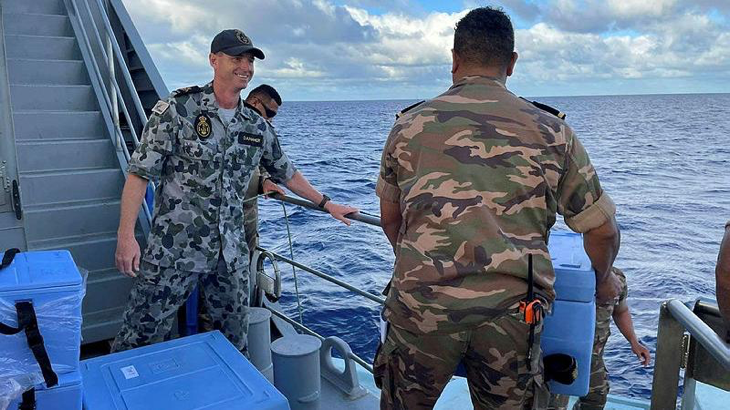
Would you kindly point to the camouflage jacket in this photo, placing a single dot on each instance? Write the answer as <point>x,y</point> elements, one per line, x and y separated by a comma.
<point>203,167</point>
<point>480,175</point>
<point>604,312</point>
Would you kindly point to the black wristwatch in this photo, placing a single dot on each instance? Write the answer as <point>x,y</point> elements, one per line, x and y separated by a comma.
<point>325,199</point>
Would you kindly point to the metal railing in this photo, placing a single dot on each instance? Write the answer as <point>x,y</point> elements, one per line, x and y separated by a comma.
<point>109,48</point>
<point>361,217</point>
<point>703,354</point>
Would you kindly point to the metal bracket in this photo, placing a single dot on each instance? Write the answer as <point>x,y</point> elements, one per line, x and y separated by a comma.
<point>346,380</point>
<point>685,351</point>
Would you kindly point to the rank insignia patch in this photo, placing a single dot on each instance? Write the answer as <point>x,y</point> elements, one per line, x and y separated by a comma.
<point>202,126</point>
<point>160,107</point>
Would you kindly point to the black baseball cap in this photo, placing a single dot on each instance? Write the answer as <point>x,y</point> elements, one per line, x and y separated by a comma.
<point>234,43</point>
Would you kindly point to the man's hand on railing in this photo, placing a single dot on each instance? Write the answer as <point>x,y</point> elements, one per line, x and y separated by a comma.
<point>340,211</point>
<point>270,188</point>
<point>128,255</point>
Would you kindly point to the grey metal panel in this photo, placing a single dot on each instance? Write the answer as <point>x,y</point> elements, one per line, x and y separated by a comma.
<point>42,47</point>
<point>53,97</point>
<point>105,290</point>
<point>51,222</point>
<point>59,72</point>
<point>91,252</point>
<point>62,124</point>
<point>101,325</point>
<point>38,25</point>
<point>12,237</point>
<point>34,6</point>
<point>67,154</point>
<point>702,366</point>
<point>48,188</point>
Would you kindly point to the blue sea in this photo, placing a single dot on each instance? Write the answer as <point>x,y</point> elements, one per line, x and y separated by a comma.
<point>664,159</point>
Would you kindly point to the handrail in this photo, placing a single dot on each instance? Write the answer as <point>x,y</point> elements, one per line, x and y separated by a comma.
<point>374,298</point>
<point>100,78</point>
<point>361,217</point>
<point>113,81</point>
<point>707,337</point>
<point>125,72</point>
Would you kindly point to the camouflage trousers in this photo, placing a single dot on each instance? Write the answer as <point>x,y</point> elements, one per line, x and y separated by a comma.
<point>412,369</point>
<point>158,292</point>
<point>599,387</point>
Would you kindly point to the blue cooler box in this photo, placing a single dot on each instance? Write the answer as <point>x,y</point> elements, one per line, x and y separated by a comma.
<point>203,371</point>
<point>65,396</point>
<point>571,327</point>
<point>51,282</point>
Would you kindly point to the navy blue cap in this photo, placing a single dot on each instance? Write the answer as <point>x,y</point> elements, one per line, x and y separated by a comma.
<point>234,43</point>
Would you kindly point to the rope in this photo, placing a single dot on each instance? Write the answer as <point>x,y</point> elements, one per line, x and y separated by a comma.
<point>294,271</point>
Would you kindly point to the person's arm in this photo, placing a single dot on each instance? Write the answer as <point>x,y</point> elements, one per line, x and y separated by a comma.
<point>145,164</point>
<point>722,279</point>
<point>588,209</point>
<point>624,323</point>
<point>602,244</point>
<point>390,220</point>
<point>128,253</point>
<point>300,186</point>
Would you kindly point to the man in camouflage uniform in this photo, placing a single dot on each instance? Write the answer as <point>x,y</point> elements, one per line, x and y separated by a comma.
<point>265,100</point>
<point>201,144</point>
<point>470,184</point>
<point>617,309</point>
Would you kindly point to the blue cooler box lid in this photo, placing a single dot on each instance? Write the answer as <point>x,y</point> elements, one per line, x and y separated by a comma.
<point>575,279</point>
<point>203,371</point>
<point>39,270</point>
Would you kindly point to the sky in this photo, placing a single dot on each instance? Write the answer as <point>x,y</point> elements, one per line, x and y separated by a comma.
<point>400,49</point>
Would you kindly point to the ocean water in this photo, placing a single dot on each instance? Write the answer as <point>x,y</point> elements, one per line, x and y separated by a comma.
<point>663,159</point>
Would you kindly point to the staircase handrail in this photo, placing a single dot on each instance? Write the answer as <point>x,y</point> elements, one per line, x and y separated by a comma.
<point>109,58</point>
<point>105,94</point>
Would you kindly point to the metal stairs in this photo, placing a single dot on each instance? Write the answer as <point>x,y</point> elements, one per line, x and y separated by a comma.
<point>67,165</point>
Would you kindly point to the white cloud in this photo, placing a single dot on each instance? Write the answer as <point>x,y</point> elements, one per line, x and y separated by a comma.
<point>316,45</point>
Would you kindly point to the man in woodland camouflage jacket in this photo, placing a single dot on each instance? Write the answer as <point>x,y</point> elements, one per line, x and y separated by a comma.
<point>470,184</point>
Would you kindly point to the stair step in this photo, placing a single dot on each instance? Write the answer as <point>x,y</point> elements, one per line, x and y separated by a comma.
<point>94,252</point>
<point>53,97</point>
<point>48,188</point>
<point>38,24</point>
<point>65,154</point>
<point>101,325</point>
<point>11,231</point>
<point>58,124</point>
<point>106,289</point>
<point>51,72</point>
<point>42,47</point>
<point>34,6</point>
<point>52,222</point>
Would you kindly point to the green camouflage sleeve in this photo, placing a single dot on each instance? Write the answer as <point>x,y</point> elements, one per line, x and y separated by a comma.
<point>581,201</point>
<point>275,161</point>
<point>387,187</point>
<point>156,144</point>
<point>624,286</point>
